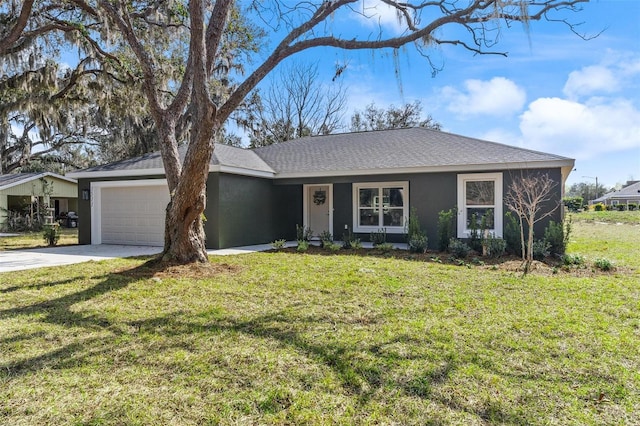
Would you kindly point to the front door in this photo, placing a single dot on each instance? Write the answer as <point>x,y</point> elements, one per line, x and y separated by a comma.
<point>319,208</point>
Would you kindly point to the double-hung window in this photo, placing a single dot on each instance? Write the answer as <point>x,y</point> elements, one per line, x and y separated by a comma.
<point>380,205</point>
<point>479,196</point>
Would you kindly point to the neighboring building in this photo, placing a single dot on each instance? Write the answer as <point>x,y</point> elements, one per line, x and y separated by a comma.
<point>628,194</point>
<point>20,192</point>
<point>360,182</point>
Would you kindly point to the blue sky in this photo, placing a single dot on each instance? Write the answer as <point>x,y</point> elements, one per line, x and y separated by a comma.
<point>554,92</point>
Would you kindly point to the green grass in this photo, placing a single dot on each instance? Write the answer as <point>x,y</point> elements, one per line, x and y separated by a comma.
<point>278,338</point>
<point>35,239</point>
<point>632,217</point>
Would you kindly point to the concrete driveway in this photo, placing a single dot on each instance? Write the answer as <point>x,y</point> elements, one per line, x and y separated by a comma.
<point>17,260</point>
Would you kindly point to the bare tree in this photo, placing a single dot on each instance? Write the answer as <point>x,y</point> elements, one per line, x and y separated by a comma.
<point>529,198</point>
<point>201,89</point>
<point>407,115</point>
<point>295,105</point>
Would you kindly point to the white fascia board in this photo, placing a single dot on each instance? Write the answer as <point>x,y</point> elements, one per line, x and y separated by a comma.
<point>241,171</point>
<point>117,173</point>
<point>430,169</point>
<point>160,172</point>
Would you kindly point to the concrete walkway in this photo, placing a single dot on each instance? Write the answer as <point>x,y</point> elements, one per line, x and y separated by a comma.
<point>18,260</point>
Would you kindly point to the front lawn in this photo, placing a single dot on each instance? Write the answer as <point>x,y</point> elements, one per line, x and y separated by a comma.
<point>277,338</point>
<point>24,240</point>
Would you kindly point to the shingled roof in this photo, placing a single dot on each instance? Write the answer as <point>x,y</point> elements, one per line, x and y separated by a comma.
<point>13,179</point>
<point>224,158</point>
<point>410,150</point>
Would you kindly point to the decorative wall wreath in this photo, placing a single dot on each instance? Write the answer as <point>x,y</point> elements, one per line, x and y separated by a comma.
<point>319,197</point>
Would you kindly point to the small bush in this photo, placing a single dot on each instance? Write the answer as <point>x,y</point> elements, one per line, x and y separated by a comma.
<point>554,235</point>
<point>356,244</point>
<point>332,246</point>
<point>633,207</point>
<point>303,233</point>
<point>621,207</point>
<point>458,249</point>
<point>51,234</point>
<point>378,237</point>
<point>512,234</point>
<point>445,228</point>
<point>493,246</point>
<point>603,264</point>
<point>418,243</point>
<point>541,249</point>
<point>347,239</point>
<point>385,247</point>
<point>278,244</point>
<point>599,207</point>
<point>302,246</point>
<point>325,238</point>
<point>573,204</point>
<point>573,260</point>
<point>416,239</point>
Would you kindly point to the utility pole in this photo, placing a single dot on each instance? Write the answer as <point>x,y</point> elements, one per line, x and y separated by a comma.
<point>596,178</point>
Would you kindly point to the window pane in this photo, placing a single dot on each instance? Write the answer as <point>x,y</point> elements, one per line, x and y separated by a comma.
<point>393,217</point>
<point>367,197</point>
<point>393,197</point>
<point>487,213</point>
<point>368,217</point>
<point>480,193</point>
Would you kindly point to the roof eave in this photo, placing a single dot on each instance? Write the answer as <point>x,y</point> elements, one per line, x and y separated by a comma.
<point>38,176</point>
<point>565,164</point>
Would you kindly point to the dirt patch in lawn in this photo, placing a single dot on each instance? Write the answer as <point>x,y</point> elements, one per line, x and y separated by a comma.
<point>155,269</point>
<point>512,264</point>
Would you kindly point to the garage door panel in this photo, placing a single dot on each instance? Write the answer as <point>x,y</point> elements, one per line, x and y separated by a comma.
<point>133,215</point>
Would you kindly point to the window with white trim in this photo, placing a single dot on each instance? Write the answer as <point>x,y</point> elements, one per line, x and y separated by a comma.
<point>480,194</point>
<point>380,205</point>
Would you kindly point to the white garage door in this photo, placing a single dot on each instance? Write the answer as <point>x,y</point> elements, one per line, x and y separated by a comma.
<point>133,215</point>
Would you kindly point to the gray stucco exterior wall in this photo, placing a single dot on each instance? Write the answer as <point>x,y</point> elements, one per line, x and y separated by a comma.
<point>243,210</point>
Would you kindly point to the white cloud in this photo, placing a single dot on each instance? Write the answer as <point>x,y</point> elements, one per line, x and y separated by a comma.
<point>496,97</point>
<point>590,80</point>
<point>616,71</point>
<point>581,130</point>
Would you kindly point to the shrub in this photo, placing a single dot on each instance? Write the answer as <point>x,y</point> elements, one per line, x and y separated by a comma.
<point>385,247</point>
<point>632,207</point>
<point>278,244</point>
<point>418,243</point>
<point>332,246</point>
<point>303,233</point>
<point>540,249</point>
<point>573,259</point>
<point>356,244</point>
<point>475,233</point>
<point>603,264</point>
<point>51,234</point>
<point>554,237</point>
<point>621,207</point>
<point>302,246</point>
<point>458,249</point>
<point>347,239</point>
<point>325,238</point>
<point>445,228</point>
<point>512,234</point>
<point>493,246</point>
<point>573,204</point>
<point>378,237</point>
<point>599,207</point>
<point>416,239</point>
